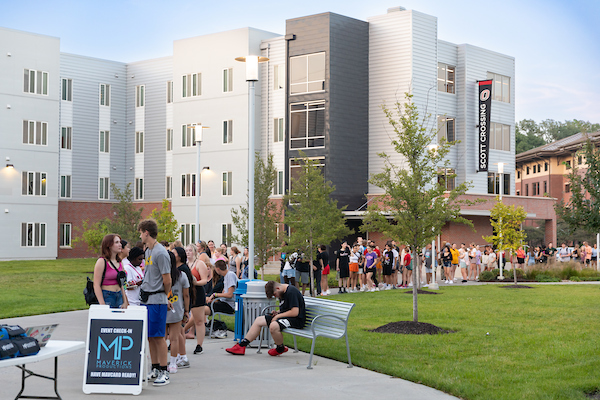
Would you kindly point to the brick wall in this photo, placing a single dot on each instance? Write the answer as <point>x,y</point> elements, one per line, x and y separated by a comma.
<point>75,212</point>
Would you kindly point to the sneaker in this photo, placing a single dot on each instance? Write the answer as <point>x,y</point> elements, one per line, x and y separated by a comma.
<point>323,294</point>
<point>328,292</point>
<point>237,350</point>
<point>376,289</point>
<point>172,368</point>
<point>198,349</point>
<point>274,352</point>
<point>446,281</point>
<point>183,364</point>
<point>153,374</point>
<point>451,282</point>
<point>426,285</point>
<point>162,379</point>
<point>220,334</point>
<point>410,284</point>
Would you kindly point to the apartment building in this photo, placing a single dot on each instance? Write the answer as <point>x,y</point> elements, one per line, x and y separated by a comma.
<point>74,124</point>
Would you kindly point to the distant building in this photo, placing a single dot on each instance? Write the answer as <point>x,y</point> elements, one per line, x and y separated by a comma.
<point>72,125</point>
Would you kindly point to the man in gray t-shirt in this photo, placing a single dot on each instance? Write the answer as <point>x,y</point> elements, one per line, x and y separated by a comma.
<point>157,264</point>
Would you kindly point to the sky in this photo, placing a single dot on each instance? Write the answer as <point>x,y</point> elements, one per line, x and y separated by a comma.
<point>556,44</point>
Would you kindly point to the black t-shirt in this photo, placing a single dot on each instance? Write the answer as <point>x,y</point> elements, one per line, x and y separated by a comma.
<point>302,266</point>
<point>388,258</point>
<point>324,257</point>
<point>186,270</point>
<point>344,257</point>
<point>293,298</point>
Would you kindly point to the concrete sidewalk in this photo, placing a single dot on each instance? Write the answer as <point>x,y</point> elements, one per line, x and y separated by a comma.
<point>215,373</point>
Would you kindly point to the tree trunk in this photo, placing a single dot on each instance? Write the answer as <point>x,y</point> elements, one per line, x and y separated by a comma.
<point>415,289</point>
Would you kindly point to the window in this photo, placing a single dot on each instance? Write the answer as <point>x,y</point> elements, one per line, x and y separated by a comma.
<point>226,234</point>
<point>446,129</point>
<point>227,131</point>
<point>535,188</point>
<point>567,188</point>
<point>494,183</point>
<point>191,85</point>
<point>545,166</point>
<point>103,193</point>
<point>518,174</point>
<point>296,167</point>
<point>65,186</point>
<point>446,78</point>
<point>169,92</point>
<point>169,188</point>
<point>188,234</point>
<point>500,87</point>
<point>169,139</point>
<point>526,189</point>
<point>447,178</point>
<point>140,96</point>
<point>66,133</point>
<point>278,76</point>
<point>534,169</point>
<point>500,137</point>
<point>65,235</point>
<point>104,95</point>
<point>33,234</point>
<point>307,127</point>
<point>307,73</point>
<point>579,160</point>
<point>228,80</point>
<point>545,187</point>
<point>35,82</point>
<point>528,170</point>
<point>139,188</point>
<point>139,142</point>
<point>35,132</point>
<point>67,89</point>
<point>104,141</point>
<point>227,184</point>
<point>33,183</point>
<point>278,130</point>
<point>539,167</point>
<point>188,185</point>
<point>279,187</point>
<point>188,136</point>
<point>568,164</point>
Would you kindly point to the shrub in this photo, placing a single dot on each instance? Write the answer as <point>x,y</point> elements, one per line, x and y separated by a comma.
<point>546,278</point>
<point>487,276</point>
<point>509,274</point>
<point>575,279</point>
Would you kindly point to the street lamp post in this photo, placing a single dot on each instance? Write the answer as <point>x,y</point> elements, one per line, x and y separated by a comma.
<point>198,139</point>
<point>251,78</point>
<point>433,285</point>
<point>501,172</point>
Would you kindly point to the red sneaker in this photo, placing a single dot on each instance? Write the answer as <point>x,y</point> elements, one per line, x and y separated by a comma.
<point>237,350</point>
<point>274,352</point>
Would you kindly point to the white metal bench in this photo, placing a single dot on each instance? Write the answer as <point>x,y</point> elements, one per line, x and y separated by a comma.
<point>326,318</point>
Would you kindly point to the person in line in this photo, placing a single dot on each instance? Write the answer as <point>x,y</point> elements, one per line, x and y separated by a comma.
<point>387,264</point>
<point>353,267</point>
<point>530,258</point>
<point>446,257</point>
<point>587,258</point>
<point>182,266</point>
<point>463,255</point>
<point>551,253</point>
<point>484,259</point>
<point>201,278</point>
<point>235,261</point>
<point>564,254</point>
<point>428,261</point>
<point>370,268</point>
<point>594,259</point>
<point>289,266</point>
<point>302,272</point>
<point>180,302</point>
<point>211,251</point>
<point>408,265</point>
<point>473,266</point>
<point>396,265</point>
<point>455,262</point>
<point>492,259</point>
<point>323,266</point>
<point>135,275</point>
<point>224,301</point>
<point>291,314</point>
<point>343,266</point>
<point>154,289</point>
<point>109,276</point>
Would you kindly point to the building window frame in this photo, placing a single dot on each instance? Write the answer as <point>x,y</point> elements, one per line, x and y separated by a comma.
<point>104,142</point>
<point>65,230</point>
<point>500,137</point>
<point>170,139</point>
<point>66,89</point>
<point>298,142</point>
<point>494,183</point>
<point>65,187</point>
<point>33,234</point>
<point>500,87</point>
<point>309,72</point>
<point>188,234</point>
<point>169,92</point>
<point>191,85</point>
<point>34,183</point>
<point>35,133</point>
<point>446,128</point>
<point>169,187</point>
<point>278,130</point>
<point>227,80</point>
<point>228,131</point>
<point>66,137</point>
<point>104,95</point>
<point>103,188</point>
<point>139,189</point>
<point>447,177</point>
<point>279,185</point>
<point>140,96</point>
<point>35,82</point>
<point>139,142</point>
<point>279,77</point>
<point>226,234</point>
<point>188,185</point>
<point>446,79</point>
<point>188,136</point>
<point>227,183</point>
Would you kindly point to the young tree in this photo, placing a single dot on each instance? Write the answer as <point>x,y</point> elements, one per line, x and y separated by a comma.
<point>416,203</point>
<point>92,234</point>
<point>312,216</point>
<point>267,214</point>
<point>168,228</point>
<point>583,208</point>
<point>125,214</point>
<point>506,221</point>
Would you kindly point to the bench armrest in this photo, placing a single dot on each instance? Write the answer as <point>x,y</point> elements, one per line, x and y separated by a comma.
<point>325,316</point>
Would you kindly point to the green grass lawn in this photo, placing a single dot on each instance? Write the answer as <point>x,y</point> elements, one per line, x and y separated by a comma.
<point>543,342</point>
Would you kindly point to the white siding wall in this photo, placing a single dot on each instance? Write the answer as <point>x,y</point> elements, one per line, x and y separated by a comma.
<point>447,103</point>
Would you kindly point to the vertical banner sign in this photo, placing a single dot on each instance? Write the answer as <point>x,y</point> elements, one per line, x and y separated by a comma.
<point>485,104</point>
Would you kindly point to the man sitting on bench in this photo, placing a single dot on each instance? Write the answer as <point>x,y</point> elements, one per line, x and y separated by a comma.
<point>291,314</point>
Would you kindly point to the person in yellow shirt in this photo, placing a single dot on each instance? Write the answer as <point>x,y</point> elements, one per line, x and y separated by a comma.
<point>455,258</point>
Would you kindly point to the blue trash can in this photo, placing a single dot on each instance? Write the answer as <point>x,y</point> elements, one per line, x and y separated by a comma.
<point>239,309</point>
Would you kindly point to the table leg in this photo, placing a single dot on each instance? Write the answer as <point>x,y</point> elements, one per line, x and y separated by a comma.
<point>26,373</point>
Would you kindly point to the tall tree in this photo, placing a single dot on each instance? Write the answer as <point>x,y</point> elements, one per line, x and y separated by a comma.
<point>125,214</point>
<point>416,203</point>
<point>267,214</point>
<point>528,135</point>
<point>168,228</point>
<point>506,221</point>
<point>312,216</point>
<point>582,210</point>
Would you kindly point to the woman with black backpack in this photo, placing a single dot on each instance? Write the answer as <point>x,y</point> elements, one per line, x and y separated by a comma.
<point>109,275</point>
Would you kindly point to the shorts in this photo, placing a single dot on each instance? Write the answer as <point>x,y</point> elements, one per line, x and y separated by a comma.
<point>387,270</point>
<point>428,270</point>
<point>157,319</point>
<point>361,270</point>
<point>303,277</point>
<point>112,299</point>
<point>463,264</point>
<point>408,267</point>
<point>520,260</point>
<point>325,270</point>
<point>289,273</point>
<point>353,267</point>
<point>200,300</point>
<point>446,264</point>
<point>372,270</point>
<point>292,322</point>
<point>222,307</point>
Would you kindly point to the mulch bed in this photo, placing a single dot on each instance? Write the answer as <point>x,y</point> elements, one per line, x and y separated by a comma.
<point>419,291</point>
<point>410,328</point>
<point>513,286</point>
<point>593,396</point>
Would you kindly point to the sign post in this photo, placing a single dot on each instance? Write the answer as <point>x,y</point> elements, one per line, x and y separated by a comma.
<point>115,348</point>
